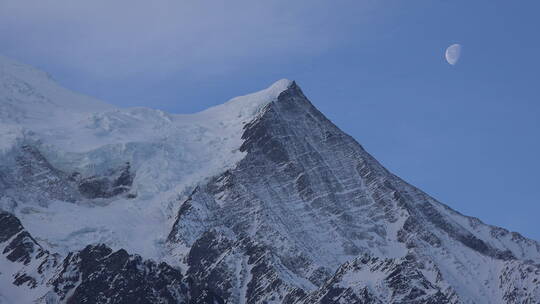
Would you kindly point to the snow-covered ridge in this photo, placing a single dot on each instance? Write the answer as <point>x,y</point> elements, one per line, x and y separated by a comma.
<point>261,199</point>
<point>169,154</point>
<point>32,98</point>
<point>72,126</point>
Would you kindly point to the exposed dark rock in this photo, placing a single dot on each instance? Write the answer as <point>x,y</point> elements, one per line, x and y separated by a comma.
<point>21,248</point>
<point>116,182</point>
<point>373,280</point>
<point>9,226</point>
<point>98,274</point>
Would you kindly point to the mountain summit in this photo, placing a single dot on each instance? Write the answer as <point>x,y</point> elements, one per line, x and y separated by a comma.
<point>259,200</point>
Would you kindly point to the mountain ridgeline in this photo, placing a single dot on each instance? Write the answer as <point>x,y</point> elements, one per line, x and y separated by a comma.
<point>259,200</point>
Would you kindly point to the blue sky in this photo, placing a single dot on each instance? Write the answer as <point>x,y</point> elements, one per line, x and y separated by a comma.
<point>467,134</point>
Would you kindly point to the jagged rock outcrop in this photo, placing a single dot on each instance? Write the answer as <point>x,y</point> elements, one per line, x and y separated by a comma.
<point>96,274</point>
<point>373,280</point>
<point>113,183</point>
<point>26,262</point>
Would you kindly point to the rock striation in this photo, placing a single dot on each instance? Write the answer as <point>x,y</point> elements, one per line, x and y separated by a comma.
<point>259,200</point>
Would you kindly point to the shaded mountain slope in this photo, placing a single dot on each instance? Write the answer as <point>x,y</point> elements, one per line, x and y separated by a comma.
<point>259,200</point>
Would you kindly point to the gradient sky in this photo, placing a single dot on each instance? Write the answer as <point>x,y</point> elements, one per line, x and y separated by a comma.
<point>468,134</point>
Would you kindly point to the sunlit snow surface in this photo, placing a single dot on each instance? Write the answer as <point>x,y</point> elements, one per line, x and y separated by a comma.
<point>169,153</point>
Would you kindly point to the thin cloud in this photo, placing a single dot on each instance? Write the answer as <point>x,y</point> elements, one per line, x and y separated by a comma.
<point>120,38</point>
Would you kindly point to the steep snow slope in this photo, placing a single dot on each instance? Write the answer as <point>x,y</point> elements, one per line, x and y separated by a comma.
<point>31,97</point>
<point>259,200</point>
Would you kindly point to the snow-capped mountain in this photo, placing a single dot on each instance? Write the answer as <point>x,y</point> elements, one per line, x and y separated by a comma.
<point>258,200</point>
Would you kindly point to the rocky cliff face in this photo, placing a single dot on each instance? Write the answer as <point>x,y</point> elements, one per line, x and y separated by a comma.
<point>96,274</point>
<point>313,200</point>
<point>272,204</point>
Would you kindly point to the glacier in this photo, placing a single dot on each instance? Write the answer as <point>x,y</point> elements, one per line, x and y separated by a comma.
<point>170,153</point>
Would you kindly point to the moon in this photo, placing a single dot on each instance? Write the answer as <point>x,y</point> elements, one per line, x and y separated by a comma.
<point>453,53</point>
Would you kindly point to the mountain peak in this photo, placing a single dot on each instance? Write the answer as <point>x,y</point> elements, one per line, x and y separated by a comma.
<point>269,94</point>
<point>281,84</point>
<point>250,104</point>
<point>261,198</point>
